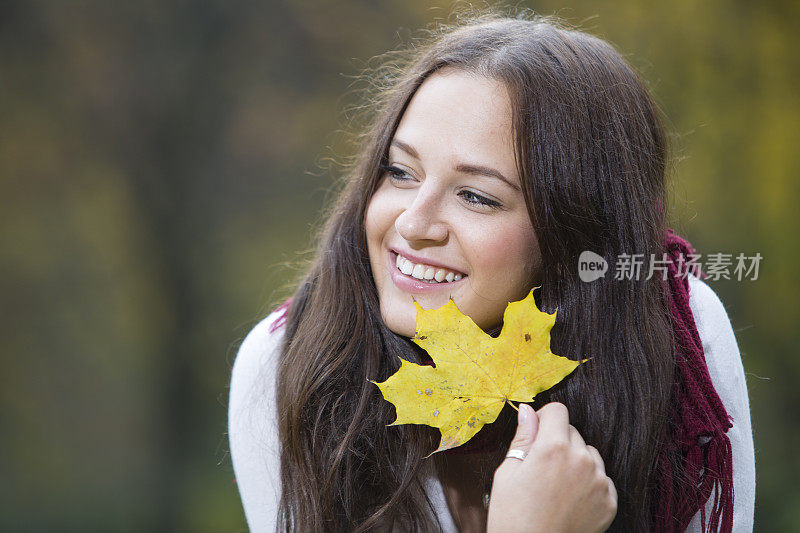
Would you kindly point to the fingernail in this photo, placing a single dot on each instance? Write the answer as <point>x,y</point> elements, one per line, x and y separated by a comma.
<point>522,415</point>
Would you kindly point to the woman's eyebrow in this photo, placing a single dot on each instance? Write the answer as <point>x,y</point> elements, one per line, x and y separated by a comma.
<point>481,170</point>
<point>464,168</point>
<point>407,148</point>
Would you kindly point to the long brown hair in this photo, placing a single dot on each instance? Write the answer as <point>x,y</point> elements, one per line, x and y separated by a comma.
<point>591,154</point>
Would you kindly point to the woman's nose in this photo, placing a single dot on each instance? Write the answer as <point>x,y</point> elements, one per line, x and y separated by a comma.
<point>422,220</point>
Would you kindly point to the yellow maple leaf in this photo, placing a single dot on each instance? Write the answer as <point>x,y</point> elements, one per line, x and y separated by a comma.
<point>475,374</point>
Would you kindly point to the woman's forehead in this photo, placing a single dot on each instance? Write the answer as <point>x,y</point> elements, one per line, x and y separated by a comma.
<point>459,117</point>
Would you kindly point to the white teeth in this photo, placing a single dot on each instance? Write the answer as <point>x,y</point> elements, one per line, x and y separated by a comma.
<point>425,272</point>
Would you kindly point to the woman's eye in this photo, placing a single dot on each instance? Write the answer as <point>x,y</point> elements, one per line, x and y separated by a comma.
<point>472,198</point>
<point>395,173</point>
<point>476,199</point>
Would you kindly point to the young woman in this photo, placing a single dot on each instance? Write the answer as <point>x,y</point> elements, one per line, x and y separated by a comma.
<point>497,154</point>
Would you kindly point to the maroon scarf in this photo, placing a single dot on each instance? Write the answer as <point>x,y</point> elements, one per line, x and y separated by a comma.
<point>698,413</point>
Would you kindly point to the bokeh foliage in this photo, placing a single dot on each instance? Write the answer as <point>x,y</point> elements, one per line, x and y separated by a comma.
<point>161,163</point>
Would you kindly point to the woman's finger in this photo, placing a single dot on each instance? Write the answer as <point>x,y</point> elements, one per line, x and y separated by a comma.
<point>575,437</point>
<point>554,422</point>
<point>598,459</point>
<point>527,429</point>
<point>612,490</point>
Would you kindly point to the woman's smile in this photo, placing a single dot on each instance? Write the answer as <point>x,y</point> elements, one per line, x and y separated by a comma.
<point>423,276</point>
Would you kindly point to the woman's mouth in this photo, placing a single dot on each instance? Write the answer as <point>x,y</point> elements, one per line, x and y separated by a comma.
<point>426,273</point>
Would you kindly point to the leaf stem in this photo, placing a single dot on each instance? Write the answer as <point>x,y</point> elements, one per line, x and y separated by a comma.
<point>512,405</point>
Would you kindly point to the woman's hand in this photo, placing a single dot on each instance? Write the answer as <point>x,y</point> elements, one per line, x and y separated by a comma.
<point>560,485</point>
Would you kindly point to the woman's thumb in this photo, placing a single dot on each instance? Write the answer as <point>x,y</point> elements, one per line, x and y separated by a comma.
<point>527,428</point>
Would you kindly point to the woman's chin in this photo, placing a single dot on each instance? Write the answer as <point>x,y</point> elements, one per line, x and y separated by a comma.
<point>402,326</point>
<point>405,330</point>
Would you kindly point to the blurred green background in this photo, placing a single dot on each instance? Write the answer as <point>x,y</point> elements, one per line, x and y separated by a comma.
<point>161,163</point>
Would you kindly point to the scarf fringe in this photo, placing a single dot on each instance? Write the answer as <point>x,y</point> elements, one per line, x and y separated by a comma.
<point>677,507</point>
<point>718,457</point>
<point>699,422</point>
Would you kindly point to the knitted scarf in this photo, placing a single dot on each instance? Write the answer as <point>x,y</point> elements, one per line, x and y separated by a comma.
<point>698,418</point>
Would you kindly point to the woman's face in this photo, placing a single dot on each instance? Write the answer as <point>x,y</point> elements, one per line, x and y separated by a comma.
<point>451,207</point>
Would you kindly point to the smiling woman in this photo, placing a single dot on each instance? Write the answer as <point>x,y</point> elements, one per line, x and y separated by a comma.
<point>502,150</point>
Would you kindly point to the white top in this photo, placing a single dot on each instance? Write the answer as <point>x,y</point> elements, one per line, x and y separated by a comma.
<point>252,422</point>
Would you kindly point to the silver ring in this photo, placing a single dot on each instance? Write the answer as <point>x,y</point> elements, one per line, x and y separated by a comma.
<point>516,454</point>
